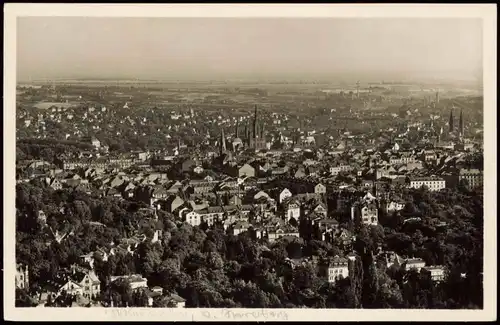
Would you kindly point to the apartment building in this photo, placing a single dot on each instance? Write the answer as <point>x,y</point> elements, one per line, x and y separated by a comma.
<point>433,183</point>
<point>338,268</point>
<point>473,177</point>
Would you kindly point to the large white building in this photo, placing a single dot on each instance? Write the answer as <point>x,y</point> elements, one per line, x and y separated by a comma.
<point>474,177</point>
<point>368,212</point>
<point>432,183</point>
<point>414,263</point>
<point>292,210</point>
<point>337,269</point>
<point>437,272</point>
<point>285,194</point>
<point>135,281</point>
<point>335,170</point>
<point>396,160</point>
<point>22,277</point>
<point>193,218</point>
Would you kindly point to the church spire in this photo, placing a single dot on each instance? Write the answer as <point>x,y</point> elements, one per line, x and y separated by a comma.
<point>451,120</point>
<point>255,123</point>
<point>461,123</point>
<point>237,130</point>
<point>222,143</point>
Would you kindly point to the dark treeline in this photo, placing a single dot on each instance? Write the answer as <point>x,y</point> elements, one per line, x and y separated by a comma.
<point>47,149</point>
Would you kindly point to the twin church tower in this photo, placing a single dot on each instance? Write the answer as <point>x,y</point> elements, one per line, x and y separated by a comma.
<point>460,123</point>
<point>255,139</point>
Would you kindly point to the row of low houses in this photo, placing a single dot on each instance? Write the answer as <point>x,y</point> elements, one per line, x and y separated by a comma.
<point>339,267</point>
<point>409,173</point>
<point>80,282</point>
<point>166,195</point>
<point>437,272</point>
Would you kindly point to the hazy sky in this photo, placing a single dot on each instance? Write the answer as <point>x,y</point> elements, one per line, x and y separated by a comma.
<point>166,48</point>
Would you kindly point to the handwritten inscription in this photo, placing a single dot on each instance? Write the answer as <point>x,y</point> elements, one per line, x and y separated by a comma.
<point>196,315</point>
<point>240,315</point>
<point>123,313</point>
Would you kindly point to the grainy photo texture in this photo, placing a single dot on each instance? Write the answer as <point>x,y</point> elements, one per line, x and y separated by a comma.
<point>249,163</point>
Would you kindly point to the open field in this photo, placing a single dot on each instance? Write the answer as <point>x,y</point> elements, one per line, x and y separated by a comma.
<point>47,105</point>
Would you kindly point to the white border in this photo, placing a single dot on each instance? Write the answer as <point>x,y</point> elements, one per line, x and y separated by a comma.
<point>485,11</point>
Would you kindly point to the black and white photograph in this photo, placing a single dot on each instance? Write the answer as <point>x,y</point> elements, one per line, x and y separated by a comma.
<point>251,167</point>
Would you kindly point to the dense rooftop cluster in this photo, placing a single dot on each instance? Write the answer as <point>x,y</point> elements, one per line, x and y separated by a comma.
<point>351,199</point>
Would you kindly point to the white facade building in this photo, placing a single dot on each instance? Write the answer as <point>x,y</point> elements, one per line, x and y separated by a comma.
<point>432,183</point>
